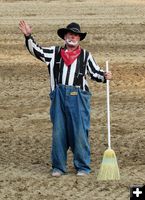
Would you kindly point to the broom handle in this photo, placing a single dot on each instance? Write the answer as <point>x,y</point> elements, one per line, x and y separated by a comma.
<point>108,109</point>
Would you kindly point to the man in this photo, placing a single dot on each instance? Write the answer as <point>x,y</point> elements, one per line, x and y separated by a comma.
<point>70,97</point>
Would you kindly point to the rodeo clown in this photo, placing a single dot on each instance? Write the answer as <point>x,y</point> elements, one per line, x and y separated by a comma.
<point>70,97</point>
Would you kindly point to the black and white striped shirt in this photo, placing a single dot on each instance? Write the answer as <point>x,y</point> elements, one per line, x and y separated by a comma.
<point>67,74</point>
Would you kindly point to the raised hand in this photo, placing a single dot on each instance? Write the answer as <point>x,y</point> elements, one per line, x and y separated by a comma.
<point>25,28</point>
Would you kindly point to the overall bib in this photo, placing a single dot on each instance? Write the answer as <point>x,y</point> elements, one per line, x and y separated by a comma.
<point>70,116</point>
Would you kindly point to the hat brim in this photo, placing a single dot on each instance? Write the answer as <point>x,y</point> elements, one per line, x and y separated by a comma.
<point>63,31</point>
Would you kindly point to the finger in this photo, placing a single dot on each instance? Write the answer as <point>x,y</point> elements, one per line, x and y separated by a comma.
<point>25,24</point>
<point>21,24</point>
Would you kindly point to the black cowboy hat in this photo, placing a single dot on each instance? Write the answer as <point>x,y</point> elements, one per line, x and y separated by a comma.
<point>72,27</point>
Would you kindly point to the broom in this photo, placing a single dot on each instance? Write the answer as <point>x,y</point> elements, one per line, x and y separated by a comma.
<point>109,168</point>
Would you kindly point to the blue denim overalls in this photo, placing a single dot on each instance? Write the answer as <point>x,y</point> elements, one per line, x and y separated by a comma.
<point>70,115</point>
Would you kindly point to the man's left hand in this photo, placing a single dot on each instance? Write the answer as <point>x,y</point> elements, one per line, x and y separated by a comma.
<point>108,75</point>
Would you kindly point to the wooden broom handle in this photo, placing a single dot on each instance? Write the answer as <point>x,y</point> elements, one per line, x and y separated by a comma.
<point>108,109</point>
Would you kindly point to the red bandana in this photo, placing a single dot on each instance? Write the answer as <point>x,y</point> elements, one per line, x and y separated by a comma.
<point>70,56</point>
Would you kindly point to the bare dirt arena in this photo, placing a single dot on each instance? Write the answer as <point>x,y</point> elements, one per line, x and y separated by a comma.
<point>116,31</point>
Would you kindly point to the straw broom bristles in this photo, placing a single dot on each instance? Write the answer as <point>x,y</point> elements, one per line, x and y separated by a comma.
<point>109,168</point>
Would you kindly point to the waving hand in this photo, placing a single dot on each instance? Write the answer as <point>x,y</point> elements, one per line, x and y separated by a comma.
<point>25,28</point>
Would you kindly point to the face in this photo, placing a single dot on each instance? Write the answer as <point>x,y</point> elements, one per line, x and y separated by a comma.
<point>72,39</point>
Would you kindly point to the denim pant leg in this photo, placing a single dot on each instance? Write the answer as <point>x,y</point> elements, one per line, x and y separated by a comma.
<point>59,135</point>
<point>78,122</point>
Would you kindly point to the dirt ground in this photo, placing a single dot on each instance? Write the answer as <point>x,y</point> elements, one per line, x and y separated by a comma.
<point>115,33</point>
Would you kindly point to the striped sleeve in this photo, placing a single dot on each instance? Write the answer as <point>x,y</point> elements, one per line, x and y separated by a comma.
<point>44,54</point>
<point>94,70</point>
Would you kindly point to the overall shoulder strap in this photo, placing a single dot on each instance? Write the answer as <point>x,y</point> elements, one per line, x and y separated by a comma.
<point>57,53</point>
<point>86,55</point>
<point>56,63</point>
<point>83,61</point>
<point>56,57</point>
<point>81,67</point>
